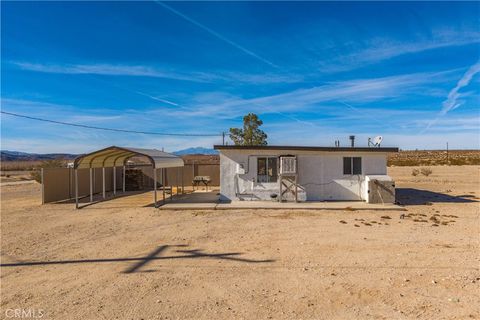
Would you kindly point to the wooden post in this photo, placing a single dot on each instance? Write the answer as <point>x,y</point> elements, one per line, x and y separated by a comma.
<point>103,177</point>
<point>114,180</point>
<point>155,187</point>
<point>193,168</point>
<point>124,171</point>
<point>43,185</point>
<point>76,188</point>
<point>448,160</point>
<point>163,184</point>
<point>296,189</point>
<point>178,178</point>
<point>280,192</point>
<point>91,185</point>
<point>183,184</point>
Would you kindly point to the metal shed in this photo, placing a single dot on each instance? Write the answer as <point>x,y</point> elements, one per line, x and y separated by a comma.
<point>113,157</point>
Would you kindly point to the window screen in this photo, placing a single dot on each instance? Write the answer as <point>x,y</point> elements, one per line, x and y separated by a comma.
<point>267,169</point>
<point>357,165</point>
<point>261,166</point>
<point>352,165</point>
<point>272,169</point>
<point>347,165</point>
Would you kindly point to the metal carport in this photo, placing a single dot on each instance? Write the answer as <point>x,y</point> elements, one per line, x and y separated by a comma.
<point>113,157</point>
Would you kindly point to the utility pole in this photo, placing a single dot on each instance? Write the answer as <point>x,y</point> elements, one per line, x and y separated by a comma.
<point>223,137</point>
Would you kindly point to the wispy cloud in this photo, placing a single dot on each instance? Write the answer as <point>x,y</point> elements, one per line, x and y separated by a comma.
<point>155,72</point>
<point>112,70</point>
<point>451,124</point>
<point>93,118</point>
<point>311,99</point>
<point>217,35</point>
<point>64,112</point>
<point>128,119</point>
<point>380,49</point>
<point>452,102</point>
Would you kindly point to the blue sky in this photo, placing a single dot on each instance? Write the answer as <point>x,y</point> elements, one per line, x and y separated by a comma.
<point>315,72</point>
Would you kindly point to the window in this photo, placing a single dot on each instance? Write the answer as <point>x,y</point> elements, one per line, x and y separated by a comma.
<point>352,165</point>
<point>267,169</point>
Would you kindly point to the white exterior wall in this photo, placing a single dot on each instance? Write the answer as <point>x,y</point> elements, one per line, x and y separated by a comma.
<point>320,173</point>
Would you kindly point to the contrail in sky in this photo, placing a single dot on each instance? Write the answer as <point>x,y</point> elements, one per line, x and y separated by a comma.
<point>216,34</point>
<point>158,99</point>
<point>362,112</point>
<point>451,102</point>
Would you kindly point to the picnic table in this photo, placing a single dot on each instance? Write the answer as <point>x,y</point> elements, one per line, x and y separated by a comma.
<point>197,180</point>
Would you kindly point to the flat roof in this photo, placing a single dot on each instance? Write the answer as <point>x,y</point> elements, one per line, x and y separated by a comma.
<point>307,148</point>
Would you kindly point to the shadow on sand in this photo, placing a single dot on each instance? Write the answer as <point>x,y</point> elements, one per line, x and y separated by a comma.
<point>188,197</point>
<point>410,196</point>
<point>84,201</point>
<point>143,261</point>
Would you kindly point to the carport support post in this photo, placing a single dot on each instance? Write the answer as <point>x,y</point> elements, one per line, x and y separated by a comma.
<point>163,184</point>
<point>91,185</point>
<point>103,184</point>
<point>154,187</point>
<point>124,179</point>
<point>178,175</point>
<point>183,186</point>
<point>114,180</point>
<point>76,188</point>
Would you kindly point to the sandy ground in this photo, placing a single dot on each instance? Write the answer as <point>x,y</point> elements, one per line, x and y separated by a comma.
<point>14,176</point>
<point>111,261</point>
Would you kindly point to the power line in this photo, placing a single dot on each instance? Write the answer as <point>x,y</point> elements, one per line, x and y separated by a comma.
<point>112,129</point>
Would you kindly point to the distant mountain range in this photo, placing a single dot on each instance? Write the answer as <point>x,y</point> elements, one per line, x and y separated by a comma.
<point>6,155</point>
<point>197,150</point>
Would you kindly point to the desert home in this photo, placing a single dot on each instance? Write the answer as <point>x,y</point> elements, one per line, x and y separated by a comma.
<point>246,173</point>
<point>302,173</point>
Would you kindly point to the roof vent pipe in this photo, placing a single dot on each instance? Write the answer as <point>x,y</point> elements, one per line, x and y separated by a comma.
<point>352,139</point>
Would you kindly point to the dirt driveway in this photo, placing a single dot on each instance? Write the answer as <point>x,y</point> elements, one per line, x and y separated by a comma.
<point>119,262</point>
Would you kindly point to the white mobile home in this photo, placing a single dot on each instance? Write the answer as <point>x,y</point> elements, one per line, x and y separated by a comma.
<point>305,173</point>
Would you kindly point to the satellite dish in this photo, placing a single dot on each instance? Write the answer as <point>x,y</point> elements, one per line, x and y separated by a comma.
<point>375,142</point>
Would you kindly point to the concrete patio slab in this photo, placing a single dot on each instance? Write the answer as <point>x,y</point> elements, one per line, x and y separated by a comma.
<point>238,205</point>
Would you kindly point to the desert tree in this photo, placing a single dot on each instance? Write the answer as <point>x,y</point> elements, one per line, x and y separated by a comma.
<point>250,134</point>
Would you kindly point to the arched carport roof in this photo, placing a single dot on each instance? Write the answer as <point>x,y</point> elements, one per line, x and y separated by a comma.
<point>117,156</point>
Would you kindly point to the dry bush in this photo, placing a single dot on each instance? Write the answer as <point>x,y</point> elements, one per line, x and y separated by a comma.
<point>426,171</point>
<point>415,172</point>
<point>19,165</point>
<point>434,158</point>
<point>36,173</point>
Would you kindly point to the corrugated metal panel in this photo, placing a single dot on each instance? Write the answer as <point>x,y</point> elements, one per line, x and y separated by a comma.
<point>116,156</point>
